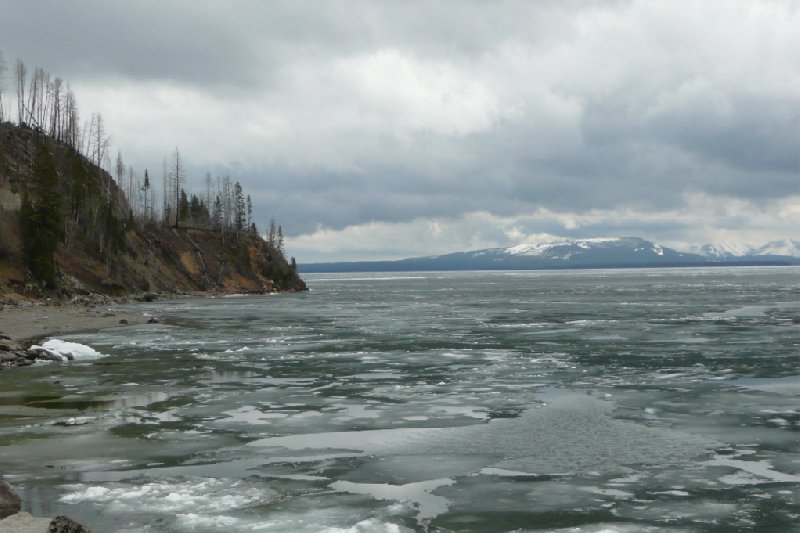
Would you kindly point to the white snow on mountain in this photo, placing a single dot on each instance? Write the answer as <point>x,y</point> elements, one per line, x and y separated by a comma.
<point>788,247</point>
<point>723,250</point>
<point>543,248</point>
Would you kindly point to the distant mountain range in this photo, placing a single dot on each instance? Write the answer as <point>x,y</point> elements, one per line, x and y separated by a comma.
<point>617,252</point>
<point>784,248</point>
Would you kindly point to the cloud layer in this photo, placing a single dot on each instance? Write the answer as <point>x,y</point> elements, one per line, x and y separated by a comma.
<point>362,125</point>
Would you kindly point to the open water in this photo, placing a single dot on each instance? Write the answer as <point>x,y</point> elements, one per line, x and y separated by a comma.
<point>624,400</point>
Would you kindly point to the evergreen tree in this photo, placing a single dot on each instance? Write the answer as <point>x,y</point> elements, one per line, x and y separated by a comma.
<point>40,220</point>
<point>239,213</point>
<point>145,192</point>
<point>249,211</point>
<point>183,207</point>
<point>272,236</point>
<point>216,216</point>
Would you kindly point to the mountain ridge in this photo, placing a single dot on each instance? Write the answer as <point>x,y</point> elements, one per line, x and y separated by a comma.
<point>781,247</point>
<point>603,252</point>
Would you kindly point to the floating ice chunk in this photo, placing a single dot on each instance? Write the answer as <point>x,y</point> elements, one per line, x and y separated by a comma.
<point>752,472</point>
<point>681,493</point>
<point>502,472</point>
<point>79,420</point>
<point>428,505</point>
<point>615,493</point>
<point>779,421</point>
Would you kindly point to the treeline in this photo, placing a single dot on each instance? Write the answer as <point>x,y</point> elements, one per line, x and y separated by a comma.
<point>47,104</point>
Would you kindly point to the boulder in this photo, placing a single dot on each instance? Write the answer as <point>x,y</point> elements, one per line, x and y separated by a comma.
<point>24,523</point>
<point>63,524</point>
<point>8,357</point>
<point>44,354</point>
<point>9,501</point>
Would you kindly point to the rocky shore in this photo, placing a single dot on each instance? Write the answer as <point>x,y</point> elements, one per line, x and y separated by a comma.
<point>23,323</point>
<point>14,520</point>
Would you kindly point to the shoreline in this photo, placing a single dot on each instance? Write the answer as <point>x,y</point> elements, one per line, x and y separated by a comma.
<point>26,324</point>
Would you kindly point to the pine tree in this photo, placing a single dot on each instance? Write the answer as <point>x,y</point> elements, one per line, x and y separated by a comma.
<point>145,190</point>
<point>216,216</point>
<point>183,207</point>
<point>249,211</point>
<point>40,220</point>
<point>239,215</point>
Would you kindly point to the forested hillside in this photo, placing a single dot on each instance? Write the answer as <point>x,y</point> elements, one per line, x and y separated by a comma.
<point>68,229</point>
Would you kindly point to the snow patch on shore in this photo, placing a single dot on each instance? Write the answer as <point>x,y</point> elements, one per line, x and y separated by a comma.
<point>78,351</point>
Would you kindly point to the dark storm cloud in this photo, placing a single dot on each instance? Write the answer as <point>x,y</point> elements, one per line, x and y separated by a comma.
<point>338,114</point>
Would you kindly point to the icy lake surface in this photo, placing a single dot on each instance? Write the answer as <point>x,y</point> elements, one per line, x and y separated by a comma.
<point>625,400</point>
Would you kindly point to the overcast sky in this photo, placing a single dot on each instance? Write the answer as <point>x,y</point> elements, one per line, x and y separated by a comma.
<point>385,129</point>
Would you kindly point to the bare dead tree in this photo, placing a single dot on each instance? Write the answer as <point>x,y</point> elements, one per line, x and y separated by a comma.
<point>165,190</point>
<point>56,120</point>
<point>20,72</point>
<point>209,183</point>
<point>2,86</point>
<point>177,173</point>
<point>72,123</point>
<point>100,140</point>
<point>34,100</point>
<point>120,168</point>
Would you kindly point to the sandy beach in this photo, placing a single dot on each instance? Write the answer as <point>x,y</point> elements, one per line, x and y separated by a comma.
<point>39,321</point>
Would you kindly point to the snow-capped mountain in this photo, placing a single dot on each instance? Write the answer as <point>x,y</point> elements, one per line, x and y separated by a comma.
<point>617,252</point>
<point>565,249</point>
<point>723,250</point>
<point>781,248</point>
<point>785,248</point>
<point>610,250</point>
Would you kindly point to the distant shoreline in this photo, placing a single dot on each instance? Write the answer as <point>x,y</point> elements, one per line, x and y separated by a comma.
<point>389,266</point>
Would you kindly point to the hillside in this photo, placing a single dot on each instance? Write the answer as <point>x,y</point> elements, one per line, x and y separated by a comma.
<point>67,230</point>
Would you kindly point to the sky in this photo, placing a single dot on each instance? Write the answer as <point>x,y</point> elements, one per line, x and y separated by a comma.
<point>382,129</point>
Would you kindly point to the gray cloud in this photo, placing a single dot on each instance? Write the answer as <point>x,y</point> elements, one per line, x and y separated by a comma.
<point>339,114</point>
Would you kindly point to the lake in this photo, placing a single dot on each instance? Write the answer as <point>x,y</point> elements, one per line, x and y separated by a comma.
<point>593,400</point>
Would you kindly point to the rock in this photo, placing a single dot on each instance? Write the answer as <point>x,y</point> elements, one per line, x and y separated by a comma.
<point>63,524</point>
<point>123,321</point>
<point>9,501</point>
<point>8,357</point>
<point>152,320</point>
<point>44,354</point>
<point>4,337</point>
<point>24,523</point>
<point>5,348</point>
